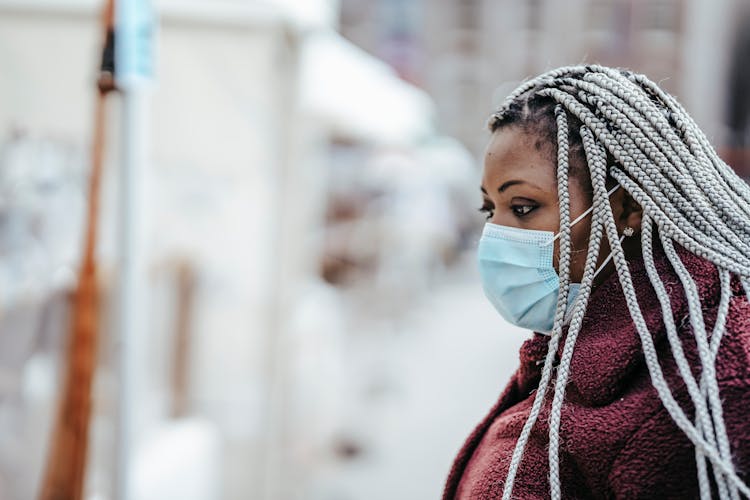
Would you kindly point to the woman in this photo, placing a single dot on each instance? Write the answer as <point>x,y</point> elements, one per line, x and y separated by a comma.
<point>616,234</point>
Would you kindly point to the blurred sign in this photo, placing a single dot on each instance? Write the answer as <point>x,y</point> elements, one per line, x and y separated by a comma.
<point>135,27</point>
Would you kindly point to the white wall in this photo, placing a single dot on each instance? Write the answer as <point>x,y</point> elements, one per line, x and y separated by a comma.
<point>224,172</point>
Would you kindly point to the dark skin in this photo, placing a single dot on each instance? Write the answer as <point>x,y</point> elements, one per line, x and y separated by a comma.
<point>519,189</point>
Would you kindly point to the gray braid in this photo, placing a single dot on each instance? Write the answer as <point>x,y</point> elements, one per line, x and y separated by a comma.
<point>697,394</point>
<point>594,155</point>
<point>650,355</point>
<point>690,196</point>
<point>565,244</point>
<point>654,123</point>
<point>707,362</point>
<point>697,141</point>
<point>694,138</point>
<point>668,218</point>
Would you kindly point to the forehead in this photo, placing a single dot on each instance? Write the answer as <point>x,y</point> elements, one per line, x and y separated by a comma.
<point>514,154</point>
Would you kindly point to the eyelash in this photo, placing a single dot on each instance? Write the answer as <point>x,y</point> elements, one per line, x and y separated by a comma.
<point>522,210</point>
<point>518,210</point>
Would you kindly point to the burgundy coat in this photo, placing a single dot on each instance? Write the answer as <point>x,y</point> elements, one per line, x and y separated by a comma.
<point>617,440</point>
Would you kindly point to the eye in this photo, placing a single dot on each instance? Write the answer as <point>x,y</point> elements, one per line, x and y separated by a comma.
<point>521,210</point>
<point>487,209</point>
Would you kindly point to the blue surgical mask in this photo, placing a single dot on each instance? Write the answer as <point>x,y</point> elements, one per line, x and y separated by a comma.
<point>518,275</point>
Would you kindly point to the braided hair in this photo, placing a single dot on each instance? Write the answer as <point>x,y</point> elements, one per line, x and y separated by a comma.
<point>625,129</point>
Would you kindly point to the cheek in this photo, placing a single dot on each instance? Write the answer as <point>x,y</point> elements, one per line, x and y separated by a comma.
<point>581,232</point>
<point>580,236</point>
<point>579,240</point>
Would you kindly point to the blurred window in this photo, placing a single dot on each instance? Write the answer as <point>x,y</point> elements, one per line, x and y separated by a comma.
<point>468,14</point>
<point>600,15</point>
<point>660,15</point>
<point>534,15</point>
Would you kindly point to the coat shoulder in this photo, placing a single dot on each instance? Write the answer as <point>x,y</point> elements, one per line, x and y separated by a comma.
<point>658,459</point>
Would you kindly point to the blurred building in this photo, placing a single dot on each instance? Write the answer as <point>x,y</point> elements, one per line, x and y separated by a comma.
<point>240,365</point>
<point>469,54</point>
<point>293,187</point>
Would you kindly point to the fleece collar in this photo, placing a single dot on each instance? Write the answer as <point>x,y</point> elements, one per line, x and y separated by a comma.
<point>608,348</point>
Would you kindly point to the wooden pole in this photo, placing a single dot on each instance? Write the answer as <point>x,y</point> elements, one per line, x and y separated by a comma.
<point>64,476</point>
<point>185,294</point>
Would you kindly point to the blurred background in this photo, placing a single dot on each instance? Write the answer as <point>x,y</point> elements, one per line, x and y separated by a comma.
<point>307,321</point>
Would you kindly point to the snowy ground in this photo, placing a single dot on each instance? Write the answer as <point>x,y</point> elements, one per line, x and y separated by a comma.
<point>425,381</point>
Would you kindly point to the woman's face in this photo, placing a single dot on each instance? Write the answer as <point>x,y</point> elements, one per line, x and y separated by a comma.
<point>519,188</point>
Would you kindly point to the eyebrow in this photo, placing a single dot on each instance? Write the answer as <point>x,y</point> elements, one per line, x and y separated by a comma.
<point>510,183</point>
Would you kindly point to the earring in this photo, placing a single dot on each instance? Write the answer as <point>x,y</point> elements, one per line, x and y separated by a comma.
<point>628,231</point>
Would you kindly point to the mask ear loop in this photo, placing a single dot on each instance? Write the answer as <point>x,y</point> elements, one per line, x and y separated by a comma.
<point>624,234</point>
<point>584,214</point>
<point>628,231</point>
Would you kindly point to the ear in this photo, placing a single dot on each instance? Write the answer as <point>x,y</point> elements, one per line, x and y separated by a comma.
<point>632,213</point>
